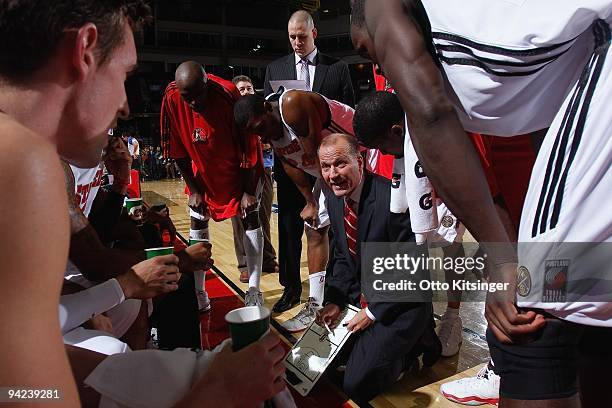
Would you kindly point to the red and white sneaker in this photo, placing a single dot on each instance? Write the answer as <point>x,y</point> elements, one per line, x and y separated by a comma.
<point>479,390</point>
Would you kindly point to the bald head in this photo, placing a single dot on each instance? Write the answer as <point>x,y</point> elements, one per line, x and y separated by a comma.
<point>302,33</point>
<point>191,81</point>
<point>302,17</point>
<point>189,73</point>
<point>341,163</point>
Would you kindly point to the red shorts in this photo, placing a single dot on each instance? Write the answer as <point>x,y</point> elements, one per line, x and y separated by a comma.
<point>507,163</point>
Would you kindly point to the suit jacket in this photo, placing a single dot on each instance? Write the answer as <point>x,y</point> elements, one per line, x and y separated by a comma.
<point>332,78</point>
<point>376,223</point>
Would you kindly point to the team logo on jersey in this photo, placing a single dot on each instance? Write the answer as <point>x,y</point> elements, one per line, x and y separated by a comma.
<point>199,136</point>
<point>448,221</point>
<point>555,280</point>
<point>523,281</point>
<point>396,179</point>
<point>418,170</point>
<point>426,202</point>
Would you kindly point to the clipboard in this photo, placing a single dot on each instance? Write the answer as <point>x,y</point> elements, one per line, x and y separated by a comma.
<point>314,352</point>
<point>289,84</point>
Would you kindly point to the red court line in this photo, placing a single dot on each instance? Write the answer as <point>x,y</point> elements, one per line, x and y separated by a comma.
<point>215,330</point>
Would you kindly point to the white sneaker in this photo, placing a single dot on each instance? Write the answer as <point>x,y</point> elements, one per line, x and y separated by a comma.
<point>479,390</point>
<point>153,343</point>
<point>253,297</point>
<point>203,301</point>
<point>449,333</point>
<point>304,317</point>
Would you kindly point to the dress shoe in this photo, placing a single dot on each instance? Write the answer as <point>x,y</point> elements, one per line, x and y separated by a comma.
<point>286,302</point>
<point>271,268</point>
<point>244,277</point>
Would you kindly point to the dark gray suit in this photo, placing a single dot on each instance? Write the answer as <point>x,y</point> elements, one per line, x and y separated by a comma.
<point>402,331</point>
<point>332,78</point>
<point>333,81</point>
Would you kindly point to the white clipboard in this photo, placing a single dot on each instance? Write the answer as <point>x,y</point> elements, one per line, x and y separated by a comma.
<point>289,84</point>
<point>314,351</point>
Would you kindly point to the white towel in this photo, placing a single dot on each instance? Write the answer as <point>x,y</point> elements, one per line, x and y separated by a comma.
<point>419,193</point>
<point>155,378</point>
<point>399,199</point>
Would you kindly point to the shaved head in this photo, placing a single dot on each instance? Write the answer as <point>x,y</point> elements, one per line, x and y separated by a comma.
<point>192,83</point>
<point>302,17</point>
<point>189,73</point>
<point>302,33</point>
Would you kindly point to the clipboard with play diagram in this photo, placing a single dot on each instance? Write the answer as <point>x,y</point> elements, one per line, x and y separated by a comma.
<point>314,351</point>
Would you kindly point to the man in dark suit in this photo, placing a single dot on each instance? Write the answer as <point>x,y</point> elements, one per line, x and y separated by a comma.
<point>388,336</point>
<point>330,77</point>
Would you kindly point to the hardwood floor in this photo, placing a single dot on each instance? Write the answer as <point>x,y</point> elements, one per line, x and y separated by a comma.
<point>420,389</point>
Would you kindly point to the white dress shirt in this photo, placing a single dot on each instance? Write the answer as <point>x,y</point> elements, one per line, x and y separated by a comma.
<point>311,67</point>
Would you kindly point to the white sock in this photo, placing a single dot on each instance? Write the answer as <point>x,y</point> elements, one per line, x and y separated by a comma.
<point>253,250</point>
<point>317,287</point>
<point>199,234</point>
<point>200,280</point>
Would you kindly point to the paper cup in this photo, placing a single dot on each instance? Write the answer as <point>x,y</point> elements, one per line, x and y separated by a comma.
<point>247,325</point>
<point>153,252</point>
<point>193,241</point>
<point>132,202</point>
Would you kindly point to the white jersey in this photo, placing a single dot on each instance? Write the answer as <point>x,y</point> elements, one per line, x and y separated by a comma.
<point>521,66</point>
<point>87,182</point>
<point>290,146</point>
<point>507,59</point>
<point>569,198</point>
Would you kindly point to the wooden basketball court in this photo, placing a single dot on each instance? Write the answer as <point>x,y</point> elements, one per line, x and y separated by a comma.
<point>417,389</point>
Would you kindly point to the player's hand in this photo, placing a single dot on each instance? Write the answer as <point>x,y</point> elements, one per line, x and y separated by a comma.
<point>257,369</point>
<point>310,214</point>
<point>359,322</point>
<point>195,257</point>
<point>101,323</point>
<point>196,203</point>
<point>506,322</point>
<point>329,314</point>
<point>150,278</point>
<point>247,204</point>
<point>117,159</point>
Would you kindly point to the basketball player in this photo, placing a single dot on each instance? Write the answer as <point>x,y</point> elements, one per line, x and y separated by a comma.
<point>295,122</point>
<point>198,128</point>
<point>550,69</point>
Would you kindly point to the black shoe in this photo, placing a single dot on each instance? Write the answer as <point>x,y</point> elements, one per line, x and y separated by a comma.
<point>286,302</point>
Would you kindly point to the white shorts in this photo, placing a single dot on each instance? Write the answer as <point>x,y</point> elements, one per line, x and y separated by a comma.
<point>323,216</point>
<point>569,192</point>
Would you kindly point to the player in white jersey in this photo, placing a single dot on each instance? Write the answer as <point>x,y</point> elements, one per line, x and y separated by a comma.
<point>506,68</point>
<point>295,122</point>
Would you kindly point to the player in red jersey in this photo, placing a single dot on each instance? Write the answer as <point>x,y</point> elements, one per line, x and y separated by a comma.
<point>197,125</point>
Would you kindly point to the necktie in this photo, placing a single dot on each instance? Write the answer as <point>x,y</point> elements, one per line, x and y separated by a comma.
<point>305,73</point>
<point>350,226</point>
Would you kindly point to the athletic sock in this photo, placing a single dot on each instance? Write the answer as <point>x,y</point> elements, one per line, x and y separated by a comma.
<point>317,287</point>
<point>200,280</point>
<point>253,250</point>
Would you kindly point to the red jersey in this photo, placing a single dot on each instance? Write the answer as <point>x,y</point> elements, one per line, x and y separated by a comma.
<point>219,151</point>
<point>384,164</point>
